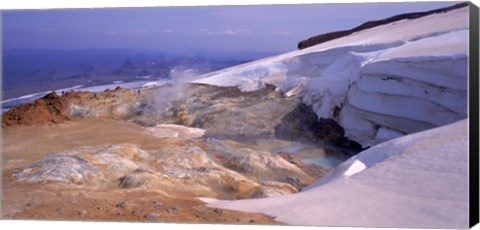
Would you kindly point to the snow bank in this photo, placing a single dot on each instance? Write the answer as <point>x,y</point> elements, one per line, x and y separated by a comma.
<point>386,81</point>
<point>416,181</point>
<point>176,131</point>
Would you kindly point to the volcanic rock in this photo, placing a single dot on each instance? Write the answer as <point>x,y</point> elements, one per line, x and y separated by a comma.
<point>265,166</point>
<point>184,170</point>
<point>49,109</point>
<point>60,167</point>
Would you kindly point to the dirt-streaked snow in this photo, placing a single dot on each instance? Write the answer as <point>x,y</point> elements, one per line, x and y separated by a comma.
<point>387,81</point>
<point>416,181</point>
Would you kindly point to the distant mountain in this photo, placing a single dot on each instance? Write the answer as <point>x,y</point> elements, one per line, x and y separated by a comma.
<point>33,71</point>
<point>128,64</point>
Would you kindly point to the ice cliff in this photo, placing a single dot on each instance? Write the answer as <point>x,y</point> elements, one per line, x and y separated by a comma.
<point>405,81</point>
<point>379,83</point>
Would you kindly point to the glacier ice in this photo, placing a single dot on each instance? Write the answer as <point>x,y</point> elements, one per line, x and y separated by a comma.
<point>401,77</point>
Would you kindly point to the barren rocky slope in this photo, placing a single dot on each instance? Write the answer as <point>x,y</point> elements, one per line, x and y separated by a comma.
<point>208,142</point>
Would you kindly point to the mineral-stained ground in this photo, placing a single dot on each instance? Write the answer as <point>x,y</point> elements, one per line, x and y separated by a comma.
<point>124,155</point>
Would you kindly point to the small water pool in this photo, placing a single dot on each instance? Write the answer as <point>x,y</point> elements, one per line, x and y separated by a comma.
<point>324,161</point>
<point>289,149</point>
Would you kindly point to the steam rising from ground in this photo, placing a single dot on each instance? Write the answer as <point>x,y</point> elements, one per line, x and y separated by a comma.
<point>176,89</point>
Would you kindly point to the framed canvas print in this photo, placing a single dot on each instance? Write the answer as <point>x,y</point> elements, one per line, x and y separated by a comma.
<point>313,114</point>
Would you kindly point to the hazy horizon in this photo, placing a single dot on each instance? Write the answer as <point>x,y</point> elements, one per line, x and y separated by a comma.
<point>263,29</point>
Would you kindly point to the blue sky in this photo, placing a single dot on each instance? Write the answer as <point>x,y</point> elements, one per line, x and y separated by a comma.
<point>226,28</point>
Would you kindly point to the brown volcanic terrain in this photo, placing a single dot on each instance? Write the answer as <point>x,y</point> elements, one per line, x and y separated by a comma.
<point>51,108</point>
<point>108,156</point>
<point>56,201</point>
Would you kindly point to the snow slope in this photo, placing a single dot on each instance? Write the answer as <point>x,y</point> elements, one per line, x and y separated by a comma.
<point>386,81</point>
<point>415,181</point>
<point>405,82</point>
